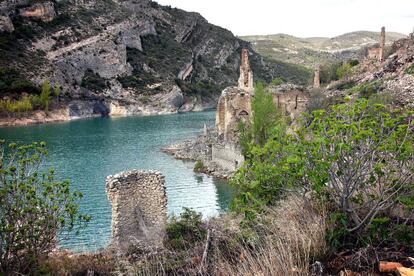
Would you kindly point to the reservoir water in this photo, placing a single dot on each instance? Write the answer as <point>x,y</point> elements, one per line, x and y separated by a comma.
<point>87,151</point>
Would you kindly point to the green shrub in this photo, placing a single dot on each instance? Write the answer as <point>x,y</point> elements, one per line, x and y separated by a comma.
<point>93,81</point>
<point>368,89</point>
<point>343,71</point>
<point>377,146</point>
<point>353,62</point>
<point>35,208</point>
<point>184,231</point>
<point>16,106</point>
<point>277,81</point>
<point>198,166</point>
<point>12,82</point>
<point>410,70</point>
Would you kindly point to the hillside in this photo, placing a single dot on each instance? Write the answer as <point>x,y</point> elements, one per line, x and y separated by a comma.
<point>390,81</point>
<point>123,57</point>
<point>317,50</point>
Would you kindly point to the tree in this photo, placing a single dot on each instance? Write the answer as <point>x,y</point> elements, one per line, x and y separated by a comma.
<point>45,95</point>
<point>35,208</point>
<point>265,114</point>
<point>361,157</point>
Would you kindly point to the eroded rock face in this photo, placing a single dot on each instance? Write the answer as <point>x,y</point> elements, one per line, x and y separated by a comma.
<point>6,25</point>
<point>43,11</point>
<point>139,208</point>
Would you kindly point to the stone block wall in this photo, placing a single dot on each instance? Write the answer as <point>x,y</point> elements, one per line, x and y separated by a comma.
<point>228,156</point>
<point>139,208</point>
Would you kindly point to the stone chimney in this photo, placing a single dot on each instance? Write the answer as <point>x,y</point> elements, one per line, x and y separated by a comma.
<point>382,45</point>
<point>317,77</point>
<point>246,74</point>
<point>139,208</point>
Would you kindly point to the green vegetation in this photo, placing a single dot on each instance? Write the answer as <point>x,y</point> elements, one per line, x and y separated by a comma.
<point>277,81</point>
<point>410,70</point>
<point>35,208</point>
<point>93,82</point>
<point>198,166</point>
<point>184,231</point>
<point>368,89</point>
<point>28,103</point>
<point>11,82</point>
<point>356,158</point>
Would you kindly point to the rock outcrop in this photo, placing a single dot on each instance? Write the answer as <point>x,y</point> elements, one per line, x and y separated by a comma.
<point>139,208</point>
<point>136,57</point>
<point>6,25</point>
<point>44,11</point>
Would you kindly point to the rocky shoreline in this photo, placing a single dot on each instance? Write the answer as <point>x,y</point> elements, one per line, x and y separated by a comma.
<point>200,149</point>
<point>94,109</point>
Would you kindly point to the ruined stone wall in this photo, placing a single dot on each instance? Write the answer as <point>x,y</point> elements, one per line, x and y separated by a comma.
<point>382,45</point>
<point>373,53</point>
<point>292,103</point>
<point>234,105</point>
<point>317,78</point>
<point>246,74</point>
<point>228,156</point>
<point>139,208</point>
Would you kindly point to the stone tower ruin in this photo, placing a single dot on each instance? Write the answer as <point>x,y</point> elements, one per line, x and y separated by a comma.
<point>382,45</point>
<point>139,208</point>
<point>246,74</point>
<point>317,78</point>
<point>235,102</point>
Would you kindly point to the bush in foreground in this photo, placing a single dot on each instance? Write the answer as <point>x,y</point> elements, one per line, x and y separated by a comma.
<point>35,208</point>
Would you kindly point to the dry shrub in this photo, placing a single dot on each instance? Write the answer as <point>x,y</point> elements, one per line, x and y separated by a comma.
<point>285,241</point>
<point>68,263</point>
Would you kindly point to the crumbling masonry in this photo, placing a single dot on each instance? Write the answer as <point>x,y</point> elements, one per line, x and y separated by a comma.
<point>378,52</point>
<point>246,74</point>
<point>139,208</point>
<point>317,77</point>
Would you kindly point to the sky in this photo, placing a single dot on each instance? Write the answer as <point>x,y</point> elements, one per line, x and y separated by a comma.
<point>303,18</point>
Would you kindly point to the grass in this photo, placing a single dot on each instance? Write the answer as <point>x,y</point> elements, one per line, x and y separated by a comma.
<point>284,240</point>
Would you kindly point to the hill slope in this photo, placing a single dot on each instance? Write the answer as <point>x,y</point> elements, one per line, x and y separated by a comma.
<point>129,56</point>
<point>317,50</point>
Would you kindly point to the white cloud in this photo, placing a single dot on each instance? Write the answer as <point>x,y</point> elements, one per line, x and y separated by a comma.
<point>303,17</point>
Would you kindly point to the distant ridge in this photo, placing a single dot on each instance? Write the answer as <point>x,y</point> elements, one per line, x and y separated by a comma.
<point>312,50</point>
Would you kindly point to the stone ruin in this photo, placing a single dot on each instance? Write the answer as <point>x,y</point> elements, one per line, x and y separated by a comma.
<point>378,52</point>
<point>139,208</point>
<point>246,74</point>
<point>291,99</point>
<point>317,77</point>
<point>234,104</point>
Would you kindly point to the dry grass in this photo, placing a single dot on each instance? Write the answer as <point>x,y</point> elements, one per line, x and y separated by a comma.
<point>285,240</point>
<point>288,239</point>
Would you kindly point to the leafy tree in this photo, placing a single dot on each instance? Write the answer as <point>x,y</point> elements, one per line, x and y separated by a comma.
<point>361,157</point>
<point>35,208</point>
<point>269,172</point>
<point>344,71</point>
<point>45,95</point>
<point>265,114</point>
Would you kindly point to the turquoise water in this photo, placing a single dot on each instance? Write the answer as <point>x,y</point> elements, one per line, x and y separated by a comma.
<point>87,151</point>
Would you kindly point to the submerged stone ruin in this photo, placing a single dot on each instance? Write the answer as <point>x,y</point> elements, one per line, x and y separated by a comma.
<point>139,208</point>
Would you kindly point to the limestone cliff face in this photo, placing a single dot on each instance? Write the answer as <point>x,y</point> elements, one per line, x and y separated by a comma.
<point>133,57</point>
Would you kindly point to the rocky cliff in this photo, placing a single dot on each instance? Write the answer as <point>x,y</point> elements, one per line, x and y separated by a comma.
<point>123,57</point>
